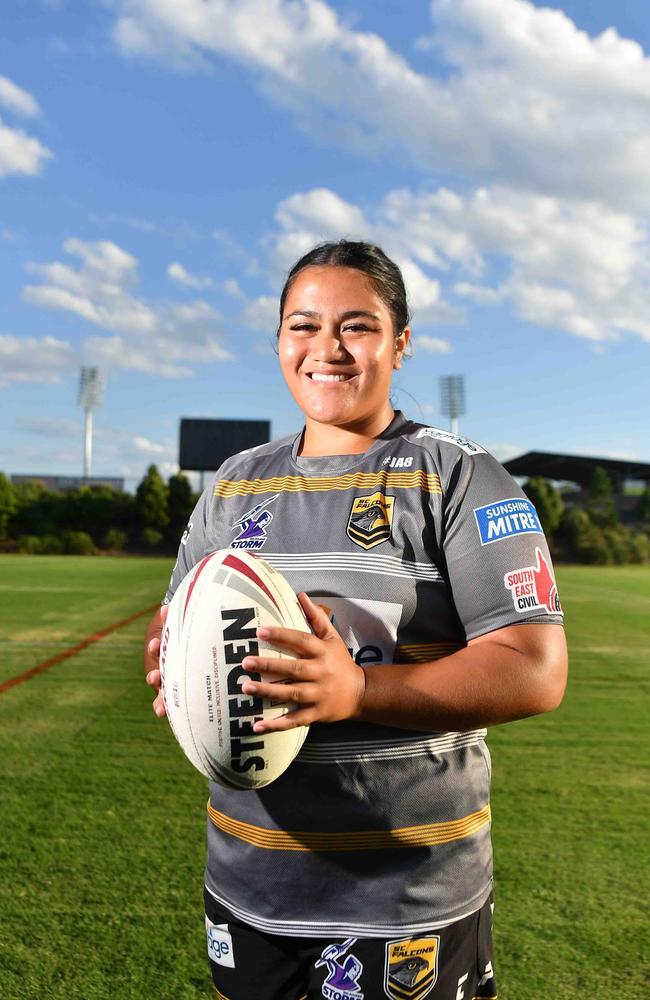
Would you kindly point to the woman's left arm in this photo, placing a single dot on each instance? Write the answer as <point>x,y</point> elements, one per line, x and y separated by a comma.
<point>506,674</point>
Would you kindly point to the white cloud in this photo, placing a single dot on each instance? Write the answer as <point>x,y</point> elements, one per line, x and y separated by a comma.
<point>231,287</point>
<point>571,265</point>
<point>20,153</point>
<point>51,427</point>
<point>30,359</point>
<point>15,99</point>
<point>159,340</point>
<point>147,447</point>
<point>262,314</point>
<point>530,99</point>
<point>432,345</point>
<point>182,276</point>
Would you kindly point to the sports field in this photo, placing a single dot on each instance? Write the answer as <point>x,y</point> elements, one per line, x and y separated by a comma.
<point>102,820</point>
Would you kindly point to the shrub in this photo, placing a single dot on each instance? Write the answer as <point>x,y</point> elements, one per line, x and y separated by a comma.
<point>52,545</point>
<point>151,538</point>
<point>30,544</point>
<point>78,543</point>
<point>115,539</point>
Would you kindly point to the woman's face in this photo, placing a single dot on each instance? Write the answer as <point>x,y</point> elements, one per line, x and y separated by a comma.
<point>337,347</point>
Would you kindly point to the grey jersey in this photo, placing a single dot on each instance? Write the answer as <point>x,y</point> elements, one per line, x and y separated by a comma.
<point>415,547</point>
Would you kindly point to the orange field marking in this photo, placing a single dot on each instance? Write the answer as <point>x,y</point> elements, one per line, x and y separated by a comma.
<point>73,650</point>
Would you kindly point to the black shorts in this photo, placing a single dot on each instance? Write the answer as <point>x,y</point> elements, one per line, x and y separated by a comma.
<point>450,963</point>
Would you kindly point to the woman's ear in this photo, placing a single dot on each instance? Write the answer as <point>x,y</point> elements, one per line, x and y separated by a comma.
<point>401,343</point>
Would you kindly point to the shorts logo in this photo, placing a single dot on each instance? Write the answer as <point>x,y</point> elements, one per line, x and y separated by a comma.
<point>411,968</point>
<point>253,526</point>
<point>342,982</point>
<point>505,518</point>
<point>533,587</point>
<point>370,520</point>
<point>219,944</point>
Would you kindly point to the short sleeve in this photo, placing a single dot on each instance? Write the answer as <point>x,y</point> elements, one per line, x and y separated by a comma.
<point>496,555</point>
<point>192,544</point>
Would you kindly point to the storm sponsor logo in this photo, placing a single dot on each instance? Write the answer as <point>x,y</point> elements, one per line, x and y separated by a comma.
<point>342,982</point>
<point>533,588</point>
<point>506,518</point>
<point>370,520</point>
<point>253,526</point>
<point>411,967</point>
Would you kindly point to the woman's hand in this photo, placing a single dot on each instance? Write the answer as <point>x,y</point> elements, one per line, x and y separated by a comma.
<point>324,682</point>
<point>152,657</point>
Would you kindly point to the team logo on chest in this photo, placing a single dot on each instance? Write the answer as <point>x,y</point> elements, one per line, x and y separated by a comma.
<point>370,520</point>
<point>253,526</point>
<point>411,968</point>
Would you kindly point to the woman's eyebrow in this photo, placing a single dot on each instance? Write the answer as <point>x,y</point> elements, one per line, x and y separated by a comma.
<point>350,314</point>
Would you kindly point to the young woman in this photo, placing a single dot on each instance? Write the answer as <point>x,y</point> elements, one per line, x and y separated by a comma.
<point>365,870</point>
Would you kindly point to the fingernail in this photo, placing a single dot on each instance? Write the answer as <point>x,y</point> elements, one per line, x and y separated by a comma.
<point>148,677</point>
<point>259,727</point>
<point>159,710</point>
<point>263,632</point>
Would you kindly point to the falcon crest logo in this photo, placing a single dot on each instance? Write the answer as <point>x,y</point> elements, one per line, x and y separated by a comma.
<point>411,968</point>
<point>370,520</point>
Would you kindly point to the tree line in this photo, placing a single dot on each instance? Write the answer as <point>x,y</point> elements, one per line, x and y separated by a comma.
<point>591,533</point>
<point>95,518</point>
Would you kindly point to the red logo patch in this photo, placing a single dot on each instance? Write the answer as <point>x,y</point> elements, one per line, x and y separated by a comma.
<point>534,587</point>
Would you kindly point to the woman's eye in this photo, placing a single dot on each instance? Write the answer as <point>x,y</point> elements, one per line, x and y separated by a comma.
<point>303,327</point>
<point>356,328</point>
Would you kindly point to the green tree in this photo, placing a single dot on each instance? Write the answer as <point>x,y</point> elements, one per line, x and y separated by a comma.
<point>548,502</point>
<point>8,505</point>
<point>601,503</point>
<point>180,503</point>
<point>151,505</point>
<point>643,509</point>
<point>581,540</point>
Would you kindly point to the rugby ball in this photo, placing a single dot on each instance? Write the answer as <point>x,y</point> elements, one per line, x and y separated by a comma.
<point>210,628</point>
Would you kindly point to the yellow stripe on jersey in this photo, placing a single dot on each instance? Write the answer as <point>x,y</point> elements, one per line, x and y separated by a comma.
<point>420,652</point>
<point>424,835</point>
<point>424,481</point>
<point>219,995</point>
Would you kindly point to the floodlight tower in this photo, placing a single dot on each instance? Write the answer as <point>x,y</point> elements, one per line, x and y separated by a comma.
<point>91,391</point>
<point>452,398</point>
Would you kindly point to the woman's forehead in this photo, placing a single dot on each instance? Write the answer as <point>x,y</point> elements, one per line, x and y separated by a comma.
<point>328,286</point>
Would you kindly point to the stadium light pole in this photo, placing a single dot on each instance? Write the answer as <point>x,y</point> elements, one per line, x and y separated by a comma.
<point>91,391</point>
<point>452,398</point>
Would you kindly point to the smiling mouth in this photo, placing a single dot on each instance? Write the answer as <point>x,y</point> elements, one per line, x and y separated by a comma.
<point>320,377</point>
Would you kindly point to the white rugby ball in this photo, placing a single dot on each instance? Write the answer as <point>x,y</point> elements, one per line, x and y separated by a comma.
<point>210,628</point>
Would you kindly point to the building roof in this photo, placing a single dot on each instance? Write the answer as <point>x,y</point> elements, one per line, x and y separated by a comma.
<point>576,468</point>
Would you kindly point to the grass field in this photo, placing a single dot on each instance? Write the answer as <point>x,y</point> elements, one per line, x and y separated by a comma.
<point>103,820</point>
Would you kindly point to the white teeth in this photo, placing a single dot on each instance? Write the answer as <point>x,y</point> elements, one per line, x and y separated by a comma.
<point>319,377</point>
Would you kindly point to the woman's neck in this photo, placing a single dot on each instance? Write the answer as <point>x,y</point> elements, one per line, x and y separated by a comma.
<point>327,439</point>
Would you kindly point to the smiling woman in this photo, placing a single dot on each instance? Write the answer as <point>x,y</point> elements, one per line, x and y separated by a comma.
<point>365,869</point>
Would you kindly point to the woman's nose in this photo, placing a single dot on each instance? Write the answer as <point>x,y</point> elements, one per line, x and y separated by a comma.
<point>328,346</point>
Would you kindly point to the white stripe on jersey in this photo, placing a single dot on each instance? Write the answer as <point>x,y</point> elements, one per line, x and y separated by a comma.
<point>355,750</point>
<point>300,928</point>
<point>350,562</point>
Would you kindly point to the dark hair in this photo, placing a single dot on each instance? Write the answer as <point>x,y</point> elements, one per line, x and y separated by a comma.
<point>384,274</point>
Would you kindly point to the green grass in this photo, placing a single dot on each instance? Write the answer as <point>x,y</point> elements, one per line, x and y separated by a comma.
<point>103,821</point>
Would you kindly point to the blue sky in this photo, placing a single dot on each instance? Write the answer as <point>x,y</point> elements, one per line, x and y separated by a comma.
<point>163,162</point>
